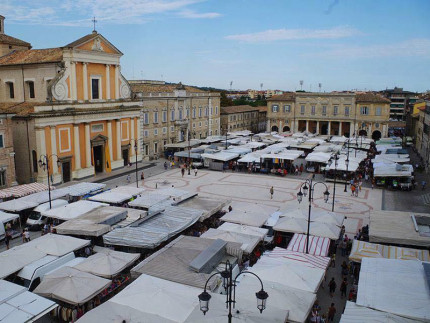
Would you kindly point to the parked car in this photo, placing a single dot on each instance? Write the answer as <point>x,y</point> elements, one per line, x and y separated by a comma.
<point>407,184</point>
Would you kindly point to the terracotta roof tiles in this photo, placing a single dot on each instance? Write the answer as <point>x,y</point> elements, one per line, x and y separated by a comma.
<point>370,97</point>
<point>6,39</point>
<point>287,96</point>
<point>160,88</point>
<point>32,56</point>
<point>238,109</point>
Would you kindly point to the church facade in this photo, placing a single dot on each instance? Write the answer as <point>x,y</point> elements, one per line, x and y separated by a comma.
<point>70,104</point>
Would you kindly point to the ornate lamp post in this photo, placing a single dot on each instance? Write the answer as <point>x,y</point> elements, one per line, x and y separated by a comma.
<point>229,285</point>
<point>44,164</point>
<point>336,158</point>
<point>300,195</point>
<point>347,164</point>
<point>135,153</point>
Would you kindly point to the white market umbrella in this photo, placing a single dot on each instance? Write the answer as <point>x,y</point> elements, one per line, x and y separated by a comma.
<point>58,245</point>
<point>16,258</point>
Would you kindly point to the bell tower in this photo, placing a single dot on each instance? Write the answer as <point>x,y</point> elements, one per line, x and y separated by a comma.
<point>1,25</point>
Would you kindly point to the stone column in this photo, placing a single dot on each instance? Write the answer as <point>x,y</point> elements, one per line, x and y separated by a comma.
<point>318,127</point>
<point>116,82</point>
<point>340,128</point>
<point>118,138</point>
<point>280,125</point>
<point>54,151</point>
<point>87,145</point>
<point>85,76</point>
<point>77,146</point>
<point>132,137</point>
<point>110,139</point>
<point>307,125</point>
<point>107,82</point>
<point>268,125</point>
<point>329,128</point>
<point>73,84</point>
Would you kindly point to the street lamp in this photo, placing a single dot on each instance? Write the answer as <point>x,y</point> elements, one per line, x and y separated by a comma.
<point>229,285</point>
<point>336,158</point>
<point>44,164</point>
<point>311,189</point>
<point>347,164</point>
<point>135,153</point>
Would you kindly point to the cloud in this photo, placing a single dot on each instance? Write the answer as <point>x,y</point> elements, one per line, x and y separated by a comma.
<point>293,34</point>
<point>71,12</point>
<point>412,47</point>
<point>195,15</point>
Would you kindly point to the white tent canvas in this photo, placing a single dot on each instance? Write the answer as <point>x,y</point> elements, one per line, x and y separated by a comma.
<point>281,255</point>
<point>394,286</point>
<point>318,229</point>
<point>249,242</point>
<point>72,210</point>
<point>261,233</point>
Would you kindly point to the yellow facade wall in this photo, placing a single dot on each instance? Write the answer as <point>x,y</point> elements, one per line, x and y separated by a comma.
<point>112,82</point>
<point>48,146</point>
<point>82,142</point>
<point>99,70</point>
<point>88,46</point>
<point>114,140</point>
<point>79,81</point>
<point>417,106</point>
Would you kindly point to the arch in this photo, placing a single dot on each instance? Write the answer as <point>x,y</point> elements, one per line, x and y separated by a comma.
<point>376,135</point>
<point>286,128</point>
<point>324,129</point>
<point>362,133</point>
<point>275,128</point>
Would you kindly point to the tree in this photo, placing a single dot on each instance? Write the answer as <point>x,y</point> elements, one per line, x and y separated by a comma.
<point>225,102</point>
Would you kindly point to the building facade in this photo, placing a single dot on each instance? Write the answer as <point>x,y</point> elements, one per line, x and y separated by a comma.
<point>7,152</point>
<point>421,117</point>
<point>173,113</point>
<point>343,114</point>
<point>243,117</point>
<point>72,105</point>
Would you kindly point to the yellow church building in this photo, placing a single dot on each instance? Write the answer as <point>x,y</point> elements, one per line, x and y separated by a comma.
<point>69,103</point>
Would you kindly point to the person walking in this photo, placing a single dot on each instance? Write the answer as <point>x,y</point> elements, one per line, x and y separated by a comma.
<point>343,247</point>
<point>333,260</point>
<point>165,165</point>
<point>352,190</point>
<point>271,192</point>
<point>423,185</point>
<point>332,287</point>
<point>343,288</point>
<point>26,235</point>
<point>128,178</point>
<point>331,313</point>
<point>195,171</point>
<point>142,177</point>
<point>183,171</point>
<point>7,239</point>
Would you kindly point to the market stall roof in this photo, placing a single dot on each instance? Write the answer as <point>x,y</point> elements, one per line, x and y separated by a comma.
<point>284,155</point>
<point>380,279</point>
<point>297,225</point>
<point>20,256</point>
<point>107,263</point>
<point>186,154</point>
<point>209,206</point>
<point>255,219</point>
<point>247,241</point>
<point>318,215</point>
<point>240,150</point>
<point>43,197</point>
<point>354,313</point>
<point>362,249</point>
<point>117,195</point>
<point>93,223</point>
<point>174,193</point>
<point>297,302</point>
<point>391,159</point>
<point>184,144</point>
<point>281,255</point>
<point>152,232</point>
<point>71,286</point>
<point>328,148</point>
<point>251,157</point>
<point>254,144</point>
<point>17,304</point>
<point>148,199</point>
<point>292,275</point>
<point>318,157</point>
<point>317,246</point>
<point>173,261</point>
<point>261,233</point>
<point>392,170</point>
<point>23,190</point>
<point>72,210</point>
<point>221,156</point>
<point>17,205</point>
<point>339,139</point>
<point>84,188</point>
<point>353,163</point>
<point>6,217</point>
<point>308,145</point>
<point>398,227</point>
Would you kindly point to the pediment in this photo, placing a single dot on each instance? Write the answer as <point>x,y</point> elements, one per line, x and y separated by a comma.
<point>94,42</point>
<point>98,138</point>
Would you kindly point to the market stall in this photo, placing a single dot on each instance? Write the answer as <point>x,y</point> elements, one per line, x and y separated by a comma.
<point>318,246</point>
<point>248,242</point>
<point>22,190</point>
<point>261,233</point>
<point>72,210</point>
<point>296,225</point>
<point>280,255</point>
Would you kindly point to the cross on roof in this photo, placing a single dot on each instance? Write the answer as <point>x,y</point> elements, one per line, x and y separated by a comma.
<point>94,22</point>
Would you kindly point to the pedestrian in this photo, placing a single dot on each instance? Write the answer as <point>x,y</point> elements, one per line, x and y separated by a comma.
<point>343,247</point>
<point>26,235</point>
<point>7,239</point>
<point>165,165</point>
<point>128,178</point>
<point>333,260</point>
<point>142,177</point>
<point>183,171</point>
<point>46,228</point>
<point>423,185</point>
<point>343,288</point>
<point>344,269</point>
<point>352,190</point>
<point>195,171</point>
<point>230,208</point>
<point>332,287</point>
<point>301,169</point>
<point>271,192</point>
<point>331,313</point>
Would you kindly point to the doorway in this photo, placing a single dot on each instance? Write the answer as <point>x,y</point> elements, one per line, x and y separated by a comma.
<point>98,158</point>
<point>125,156</point>
<point>65,170</point>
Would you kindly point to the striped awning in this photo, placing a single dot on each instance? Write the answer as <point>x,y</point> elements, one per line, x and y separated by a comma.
<point>303,258</point>
<point>23,190</point>
<point>318,246</point>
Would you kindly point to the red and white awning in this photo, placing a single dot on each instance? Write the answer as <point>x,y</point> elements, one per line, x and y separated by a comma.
<point>302,258</point>
<point>318,246</point>
<point>23,190</point>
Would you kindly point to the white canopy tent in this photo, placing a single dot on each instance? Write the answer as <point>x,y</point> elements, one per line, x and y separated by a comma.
<point>245,218</point>
<point>107,263</point>
<point>246,229</point>
<point>394,286</point>
<point>354,313</point>
<point>318,157</point>
<point>117,195</point>
<point>284,155</point>
<point>281,255</point>
<point>392,170</point>
<point>19,305</point>
<point>317,215</point>
<point>318,229</point>
<point>17,205</point>
<point>220,156</point>
<point>391,158</point>
<point>318,246</point>
<point>72,286</point>
<point>148,199</point>
<point>72,210</point>
<point>249,242</point>
<point>6,217</point>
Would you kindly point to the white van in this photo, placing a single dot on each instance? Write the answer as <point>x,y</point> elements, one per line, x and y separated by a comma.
<point>35,220</point>
<point>31,275</point>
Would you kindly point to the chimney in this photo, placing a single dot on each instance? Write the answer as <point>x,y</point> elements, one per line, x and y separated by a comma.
<point>1,25</point>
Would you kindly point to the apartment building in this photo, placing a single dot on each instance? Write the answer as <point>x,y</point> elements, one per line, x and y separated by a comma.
<point>243,117</point>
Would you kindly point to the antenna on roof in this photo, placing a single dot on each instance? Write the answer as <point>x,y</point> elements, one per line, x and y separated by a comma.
<point>94,24</point>
<point>301,85</point>
<point>319,85</point>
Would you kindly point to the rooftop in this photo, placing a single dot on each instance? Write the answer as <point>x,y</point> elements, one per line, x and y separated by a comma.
<point>6,39</point>
<point>151,88</point>
<point>32,56</point>
<point>370,97</point>
<point>287,96</point>
<point>237,109</point>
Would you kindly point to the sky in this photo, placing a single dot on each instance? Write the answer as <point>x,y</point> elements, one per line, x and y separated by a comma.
<point>268,44</point>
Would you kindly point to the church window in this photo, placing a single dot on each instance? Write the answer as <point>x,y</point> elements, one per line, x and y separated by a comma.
<point>31,89</point>
<point>95,88</point>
